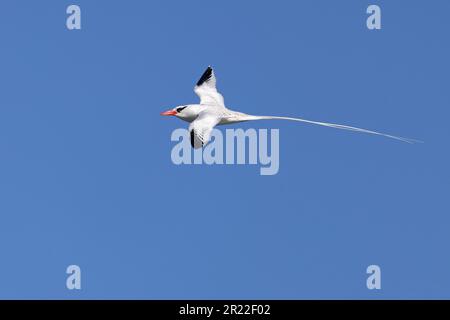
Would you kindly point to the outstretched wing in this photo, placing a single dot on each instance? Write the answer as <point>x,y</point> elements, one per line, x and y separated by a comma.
<point>200,129</point>
<point>206,89</point>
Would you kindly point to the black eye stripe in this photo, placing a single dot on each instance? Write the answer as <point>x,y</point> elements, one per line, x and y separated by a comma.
<point>181,109</point>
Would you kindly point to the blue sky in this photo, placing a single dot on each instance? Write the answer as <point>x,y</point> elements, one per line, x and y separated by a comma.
<point>86,176</point>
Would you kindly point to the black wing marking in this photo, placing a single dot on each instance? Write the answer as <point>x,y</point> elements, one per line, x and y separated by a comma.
<point>205,76</point>
<point>195,141</point>
<point>192,138</point>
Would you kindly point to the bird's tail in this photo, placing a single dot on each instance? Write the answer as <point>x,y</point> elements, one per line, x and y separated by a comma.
<point>332,125</point>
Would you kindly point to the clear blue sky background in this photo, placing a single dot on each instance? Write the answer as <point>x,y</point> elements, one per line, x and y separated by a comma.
<point>86,176</point>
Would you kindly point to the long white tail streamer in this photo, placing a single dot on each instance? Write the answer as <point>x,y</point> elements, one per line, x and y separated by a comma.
<point>333,125</point>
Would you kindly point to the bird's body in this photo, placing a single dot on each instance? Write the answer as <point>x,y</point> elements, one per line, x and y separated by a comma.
<point>212,111</point>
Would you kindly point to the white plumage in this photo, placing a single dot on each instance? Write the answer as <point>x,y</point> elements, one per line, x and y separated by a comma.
<point>212,111</point>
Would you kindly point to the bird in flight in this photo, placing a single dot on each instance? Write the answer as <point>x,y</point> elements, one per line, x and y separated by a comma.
<point>211,111</point>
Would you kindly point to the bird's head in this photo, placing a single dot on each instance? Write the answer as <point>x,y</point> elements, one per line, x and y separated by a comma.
<point>173,112</point>
<point>183,112</point>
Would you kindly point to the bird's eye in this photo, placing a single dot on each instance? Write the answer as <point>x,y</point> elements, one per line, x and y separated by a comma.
<point>180,109</point>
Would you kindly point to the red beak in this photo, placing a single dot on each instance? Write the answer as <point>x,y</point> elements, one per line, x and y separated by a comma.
<point>169,113</point>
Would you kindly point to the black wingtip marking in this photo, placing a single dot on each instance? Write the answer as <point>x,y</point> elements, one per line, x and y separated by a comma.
<point>195,143</point>
<point>205,76</point>
<point>192,138</point>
